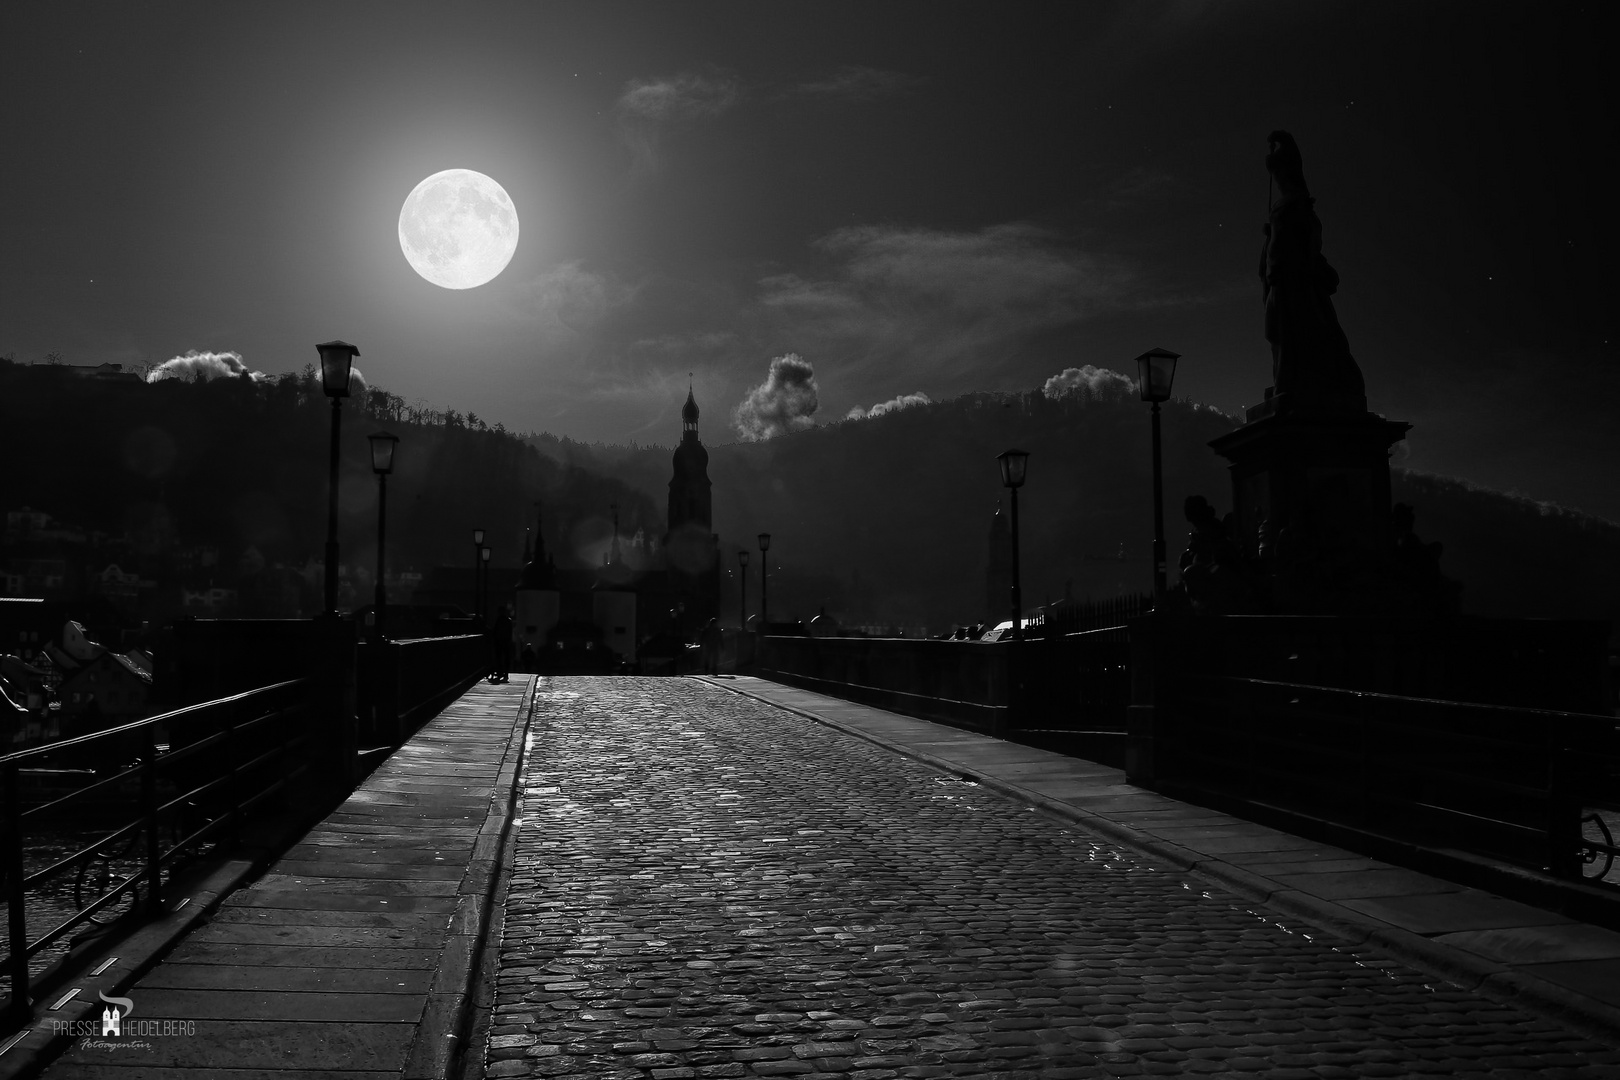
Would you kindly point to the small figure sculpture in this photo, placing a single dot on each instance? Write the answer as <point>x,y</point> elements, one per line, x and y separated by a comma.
<point>1212,565</point>
<point>1416,562</point>
<point>1311,365</point>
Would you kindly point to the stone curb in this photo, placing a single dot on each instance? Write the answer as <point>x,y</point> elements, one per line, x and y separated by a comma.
<point>447,1020</point>
<point>1457,966</point>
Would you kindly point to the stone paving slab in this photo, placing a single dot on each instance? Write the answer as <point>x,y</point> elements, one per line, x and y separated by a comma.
<point>1538,944</point>
<point>350,957</point>
<point>345,980</point>
<point>116,1072</point>
<point>1417,913</point>
<point>709,885</point>
<point>1467,909</point>
<point>269,1005</point>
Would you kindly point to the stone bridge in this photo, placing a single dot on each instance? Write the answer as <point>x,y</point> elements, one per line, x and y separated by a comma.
<point>662,879</point>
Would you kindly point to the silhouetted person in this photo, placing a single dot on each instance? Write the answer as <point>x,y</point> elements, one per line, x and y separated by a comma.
<point>711,647</point>
<point>500,636</point>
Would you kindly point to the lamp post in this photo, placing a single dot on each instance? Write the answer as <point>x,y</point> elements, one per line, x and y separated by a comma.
<point>382,463</point>
<point>1156,370</point>
<point>764,582</point>
<point>337,362</point>
<point>742,582</point>
<point>483,557</point>
<point>1014,464</point>
<point>478,542</point>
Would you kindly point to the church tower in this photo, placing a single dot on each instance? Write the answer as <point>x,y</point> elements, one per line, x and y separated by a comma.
<point>691,550</point>
<point>690,503</point>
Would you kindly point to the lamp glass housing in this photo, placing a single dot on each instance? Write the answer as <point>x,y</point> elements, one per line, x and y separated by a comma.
<point>483,554</point>
<point>1156,371</point>
<point>764,541</point>
<point>337,363</point>
<point>382,452</point>
<point>478,536</point>
<point>1014,464</point>
<point>742,558</point>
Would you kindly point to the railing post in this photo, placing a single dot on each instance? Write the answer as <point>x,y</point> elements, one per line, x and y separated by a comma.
<point>154,870</point>
<point>337,742</point>
<point>387,693</point>
<point>1564,804</point>
<point>1146,716</point>
<point>16,896</point>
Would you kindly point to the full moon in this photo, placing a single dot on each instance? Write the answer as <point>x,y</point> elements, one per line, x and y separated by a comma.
<point>458,229</point>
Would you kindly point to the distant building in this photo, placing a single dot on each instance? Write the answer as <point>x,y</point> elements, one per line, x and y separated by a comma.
<point>102,372</point>
<point>30,526</point>
<point>642,591</point>
<point>111,685</point>
<point>22,524</point>
<point>122,588</point>
<point>42,577</point>
<point>208,601</point>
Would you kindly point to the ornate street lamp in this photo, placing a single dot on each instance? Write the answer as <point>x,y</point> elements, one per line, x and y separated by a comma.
<point>483,557</point>
<point>382,463</point>
<point>1156,370</point>
<point>764,581</point>
<point>1014,464</point>
<point>742,581</point>
<point>337,362</point>
<point>478,542</point>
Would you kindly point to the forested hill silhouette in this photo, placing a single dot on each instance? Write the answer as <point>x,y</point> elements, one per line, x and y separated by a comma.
<point>886,519</point>
<point>236,463</point>
<point>882,519</point>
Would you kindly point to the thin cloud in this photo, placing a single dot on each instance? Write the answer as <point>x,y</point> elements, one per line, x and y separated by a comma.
<point>858,84</point>
<point>786,401</point>
<point>947,301</point>
<point>670,98</point>
<point>687,344</point>
<point>649,107</point>
<point>572,297</point>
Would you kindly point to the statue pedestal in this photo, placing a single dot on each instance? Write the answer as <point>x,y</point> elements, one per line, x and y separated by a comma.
<point>1319,482</point>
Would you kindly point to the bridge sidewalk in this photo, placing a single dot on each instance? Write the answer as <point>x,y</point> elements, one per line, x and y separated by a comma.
<point>352,955</point>
<point>1539,959</point>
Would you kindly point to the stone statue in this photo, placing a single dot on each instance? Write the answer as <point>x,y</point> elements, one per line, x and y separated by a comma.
<point>1311,366</point>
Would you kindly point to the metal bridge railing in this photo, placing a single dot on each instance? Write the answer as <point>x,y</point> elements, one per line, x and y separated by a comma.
<point>170,784</point>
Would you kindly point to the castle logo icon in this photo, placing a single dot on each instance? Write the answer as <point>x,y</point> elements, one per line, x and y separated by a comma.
<point>112,1017</point>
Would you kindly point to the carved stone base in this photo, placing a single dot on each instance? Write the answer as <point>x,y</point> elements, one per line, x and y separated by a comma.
<point>1315,484</point>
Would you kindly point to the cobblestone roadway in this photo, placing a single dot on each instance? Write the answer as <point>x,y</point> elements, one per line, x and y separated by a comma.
<point>707,887</point>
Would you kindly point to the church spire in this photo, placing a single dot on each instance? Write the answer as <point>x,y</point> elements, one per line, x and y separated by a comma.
<point>689,413</point>
<point>536,566</point>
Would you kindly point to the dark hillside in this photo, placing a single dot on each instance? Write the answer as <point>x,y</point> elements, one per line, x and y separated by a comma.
<point>886,519</point>
<point>233,464</point>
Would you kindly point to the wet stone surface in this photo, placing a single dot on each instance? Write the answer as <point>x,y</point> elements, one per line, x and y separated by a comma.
<point>709,887</point>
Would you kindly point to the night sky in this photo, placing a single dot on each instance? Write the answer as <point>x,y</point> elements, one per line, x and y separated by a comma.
<point>910,197</point>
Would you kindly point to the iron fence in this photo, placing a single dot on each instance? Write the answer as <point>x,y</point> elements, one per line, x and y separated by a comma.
<point>1523,786</point>
<point>170,784</point>
<point>403,684</point>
